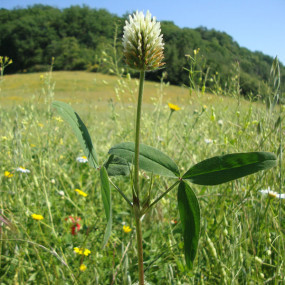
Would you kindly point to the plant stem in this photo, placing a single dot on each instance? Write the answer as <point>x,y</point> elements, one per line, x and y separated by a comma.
<point>136,194</point>
<point>137,138</point>
<point>140,250</point>
<point>163,194</point>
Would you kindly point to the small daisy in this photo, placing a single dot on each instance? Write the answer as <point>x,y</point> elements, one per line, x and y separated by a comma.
<point>82,159</point>
<point>23,170</point>
<point>208,141</point>
<point>272,194</point>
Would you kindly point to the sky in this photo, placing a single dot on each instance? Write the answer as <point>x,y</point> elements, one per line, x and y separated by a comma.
<point>258,25</point>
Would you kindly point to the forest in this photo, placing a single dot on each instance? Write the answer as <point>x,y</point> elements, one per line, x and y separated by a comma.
<point>79,36</point>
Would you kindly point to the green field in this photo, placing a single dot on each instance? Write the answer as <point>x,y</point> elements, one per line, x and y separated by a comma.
<point>242,231</point>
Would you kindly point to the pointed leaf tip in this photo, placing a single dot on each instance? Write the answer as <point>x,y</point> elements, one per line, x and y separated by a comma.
<point>221,169</point>
<point>79,129</point>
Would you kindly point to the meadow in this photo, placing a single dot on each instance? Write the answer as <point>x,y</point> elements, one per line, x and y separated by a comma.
<point>242,231</point>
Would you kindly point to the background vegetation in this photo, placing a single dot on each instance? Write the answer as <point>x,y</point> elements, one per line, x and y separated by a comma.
<point>77,36</point>
<point>242,231</point>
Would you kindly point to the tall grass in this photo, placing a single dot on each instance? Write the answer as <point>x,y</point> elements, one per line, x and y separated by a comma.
<point>242,238</point>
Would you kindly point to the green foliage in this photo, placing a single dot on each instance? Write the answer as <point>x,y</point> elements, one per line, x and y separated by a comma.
<point>106,198</point>
<point>221,169</point>
<point>189,211</point>
<point>150,158</point>
<point>116,165</point>
<point>76,37</point>
<point>79,130</point>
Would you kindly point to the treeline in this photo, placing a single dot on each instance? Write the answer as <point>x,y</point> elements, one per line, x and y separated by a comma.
<point>78,36</point>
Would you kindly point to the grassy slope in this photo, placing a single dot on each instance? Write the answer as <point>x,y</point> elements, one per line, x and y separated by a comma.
<point>88,88</point>
<point>238,222</point>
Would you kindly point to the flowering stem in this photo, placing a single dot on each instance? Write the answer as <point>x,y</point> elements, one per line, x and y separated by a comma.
<point>137,138</point>
<point>136,201</point>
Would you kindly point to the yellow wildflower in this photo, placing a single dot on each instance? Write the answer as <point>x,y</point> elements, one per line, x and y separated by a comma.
<point>82,251</point>
<point>32,145</point>
<point>37,217</point>
<point>81,192</point>
<point>8,174</point>
<point>86,252</point>
<point>59,119</point>
<point>173,107</point>
<point>127,229</point>
<point>40,125</point>
<point>77,250</point>
<point>82,267</point>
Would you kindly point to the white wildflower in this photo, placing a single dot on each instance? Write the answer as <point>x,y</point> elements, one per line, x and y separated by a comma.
<point>142,42</point>
<point>220,122</point>
<point>23,170</point>
<point>272,194</point>
<point>82,159</point>
<point>208,141</point>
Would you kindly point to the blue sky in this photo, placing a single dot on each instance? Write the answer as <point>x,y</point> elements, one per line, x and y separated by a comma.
<point>254,24</point>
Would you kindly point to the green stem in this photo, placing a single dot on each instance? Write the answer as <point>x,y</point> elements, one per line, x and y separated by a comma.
<point>136,194</point>
<point>140,249</point>
<point>137,138</point>
<point>163,194</point>
<point>121,192</point>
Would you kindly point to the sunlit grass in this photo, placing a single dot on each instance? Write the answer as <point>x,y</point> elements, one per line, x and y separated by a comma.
<point>242,237</point>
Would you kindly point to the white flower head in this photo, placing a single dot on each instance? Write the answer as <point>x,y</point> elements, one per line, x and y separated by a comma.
<point>142,42</point>
<point>208,141</point>
<point>82,159</point>
<point>272,194</point>
<point>23,170</point>
<point>220,122</point>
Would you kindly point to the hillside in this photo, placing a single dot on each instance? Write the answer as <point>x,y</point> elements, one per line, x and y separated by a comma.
<point>77,36</point>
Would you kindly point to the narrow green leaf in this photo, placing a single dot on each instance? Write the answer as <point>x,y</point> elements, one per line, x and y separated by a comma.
<point>79,129</point>
<point>189,211</point>
<point>150,158</point>
<point>117,166</point>
<point>106,197</point>
<point>221,169</point>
